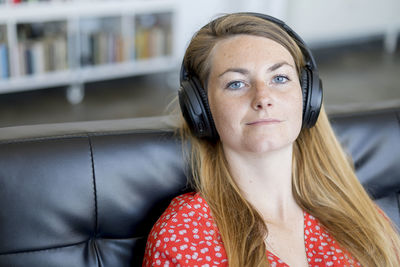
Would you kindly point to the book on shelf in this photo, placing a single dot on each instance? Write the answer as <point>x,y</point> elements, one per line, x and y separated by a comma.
<point>61,53</point>
<point>4,65</point>
<point>38,55</point>
<point>4,57</point>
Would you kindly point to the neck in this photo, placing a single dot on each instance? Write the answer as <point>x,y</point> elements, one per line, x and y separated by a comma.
<point>266,182</point>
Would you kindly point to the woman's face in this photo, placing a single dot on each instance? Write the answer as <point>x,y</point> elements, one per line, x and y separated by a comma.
<point>254,94</point>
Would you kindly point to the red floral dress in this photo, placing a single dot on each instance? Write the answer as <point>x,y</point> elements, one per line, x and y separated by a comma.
<point>186,235</point>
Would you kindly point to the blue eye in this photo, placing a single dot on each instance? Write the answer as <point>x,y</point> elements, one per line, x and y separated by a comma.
<point>280,79</point>
<point>235,85</point>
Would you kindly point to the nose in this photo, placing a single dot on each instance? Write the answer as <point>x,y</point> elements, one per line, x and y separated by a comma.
<point>262,97</point>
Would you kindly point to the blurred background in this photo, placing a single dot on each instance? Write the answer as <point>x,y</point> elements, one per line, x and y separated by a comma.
<point>80,60</point>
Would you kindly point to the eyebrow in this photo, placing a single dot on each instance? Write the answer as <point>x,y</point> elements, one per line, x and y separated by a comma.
<point>239,70</point>
<point>244,71</point>
<point>278,65</point>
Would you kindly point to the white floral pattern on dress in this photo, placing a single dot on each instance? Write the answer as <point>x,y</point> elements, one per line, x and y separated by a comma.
<point>186,235</point>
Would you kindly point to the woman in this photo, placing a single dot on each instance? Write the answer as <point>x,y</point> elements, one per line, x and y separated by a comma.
<point>271,188</point>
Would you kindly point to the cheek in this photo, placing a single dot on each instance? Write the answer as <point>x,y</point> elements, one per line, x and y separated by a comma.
<point>221,114</point>
<point>292,105</point>
<point>225,114</point>
<point>216,112</point>
<point>297,110</point>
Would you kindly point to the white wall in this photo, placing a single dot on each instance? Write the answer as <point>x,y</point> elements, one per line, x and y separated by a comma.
<point>318,22</point>
<point>193,14</point>
<point>321,22</point>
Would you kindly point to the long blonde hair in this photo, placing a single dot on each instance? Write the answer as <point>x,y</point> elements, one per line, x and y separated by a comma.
<point>323,179</point>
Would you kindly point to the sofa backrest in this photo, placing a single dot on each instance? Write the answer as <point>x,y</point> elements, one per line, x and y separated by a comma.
<point>373,141</point>
<point>84,197</point>
<point>87,194</point>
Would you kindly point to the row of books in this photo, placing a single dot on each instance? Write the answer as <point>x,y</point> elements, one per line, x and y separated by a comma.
<point>102,48</point>
<point>152,42</point>
<point>41,56</point>
<point>44,47</point>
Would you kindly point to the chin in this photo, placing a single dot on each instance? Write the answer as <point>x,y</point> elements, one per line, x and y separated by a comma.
<point>265,145</point>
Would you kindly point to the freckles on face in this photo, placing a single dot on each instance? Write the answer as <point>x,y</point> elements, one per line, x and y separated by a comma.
<point>254,94</point>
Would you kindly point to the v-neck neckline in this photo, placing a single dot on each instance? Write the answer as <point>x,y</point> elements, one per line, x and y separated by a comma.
<point>306,224</point>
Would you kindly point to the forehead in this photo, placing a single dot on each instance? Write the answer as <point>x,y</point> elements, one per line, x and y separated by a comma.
<point>241,50</point>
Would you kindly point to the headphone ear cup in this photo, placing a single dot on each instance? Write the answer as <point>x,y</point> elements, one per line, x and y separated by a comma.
<point>195,109</point>
<point>311,86</point>
<point>209,121</point>
<point>304,82</point>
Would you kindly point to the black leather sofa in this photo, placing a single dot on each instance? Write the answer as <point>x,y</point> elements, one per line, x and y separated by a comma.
<point>87,194</point>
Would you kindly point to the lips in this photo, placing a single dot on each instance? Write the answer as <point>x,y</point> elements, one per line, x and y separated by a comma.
<point>264,121</point>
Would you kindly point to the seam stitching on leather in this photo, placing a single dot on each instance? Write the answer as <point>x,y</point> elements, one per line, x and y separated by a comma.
<point>43,250</point>
<point>398,208</point>
<point>94,185</point>
<point>42,139</point>
<point>398,117</point>
<point>160,131</point>
<point>96,225</point>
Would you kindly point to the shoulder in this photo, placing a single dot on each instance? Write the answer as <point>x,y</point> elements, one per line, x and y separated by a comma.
<point>185,206</point>
<point>185,234</point>
<point>187,212</point>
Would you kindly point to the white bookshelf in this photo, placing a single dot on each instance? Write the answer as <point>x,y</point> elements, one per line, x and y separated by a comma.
<point>102,40</point>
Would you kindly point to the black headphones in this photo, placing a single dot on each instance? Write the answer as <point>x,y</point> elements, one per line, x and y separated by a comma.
<point>194,102</point>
